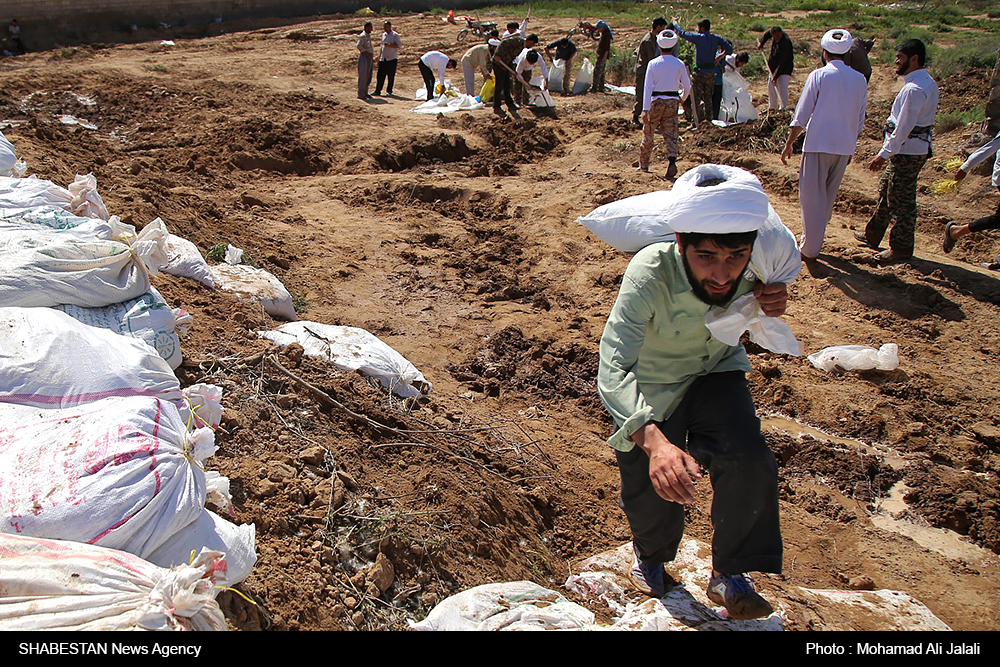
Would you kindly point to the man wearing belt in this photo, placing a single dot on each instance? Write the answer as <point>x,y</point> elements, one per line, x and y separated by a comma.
<point>707,45</point>
<point>666,82</point>
<point>906,147</point>
<point>646,51</point>
<point>680,400</point>
<point>831,111</point>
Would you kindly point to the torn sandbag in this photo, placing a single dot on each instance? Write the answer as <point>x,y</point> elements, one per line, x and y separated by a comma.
<point>353,349</point>
<point>147,318</point>
<point>61,585</point>
<point>37,269</point>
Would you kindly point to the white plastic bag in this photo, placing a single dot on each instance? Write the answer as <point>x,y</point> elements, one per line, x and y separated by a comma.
<point>8,156</point>
<point>60,585</point>
<point>856,358</point>
<point>147,318</point>
<point>125,473</point>
<point>259,285</point>
<point>86,200</point>
<point>556,73</point>
<point>353,349</point>
<point>737,106</point>
<point>584,78</point>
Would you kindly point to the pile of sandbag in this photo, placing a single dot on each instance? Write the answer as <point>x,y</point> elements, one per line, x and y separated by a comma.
<point>99,445</point>
<point>633,223</point>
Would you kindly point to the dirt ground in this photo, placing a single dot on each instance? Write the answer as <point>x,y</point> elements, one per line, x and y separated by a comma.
<point>454,239</point>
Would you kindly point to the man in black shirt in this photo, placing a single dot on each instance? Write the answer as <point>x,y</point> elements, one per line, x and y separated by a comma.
<point>780,64</point>
<point>565,50</point>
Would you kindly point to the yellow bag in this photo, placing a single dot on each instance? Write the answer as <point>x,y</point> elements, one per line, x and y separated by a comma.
<point>486,94</point>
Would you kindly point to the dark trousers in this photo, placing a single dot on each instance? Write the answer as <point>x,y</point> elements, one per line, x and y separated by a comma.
<point>717,101</point>
<point>717,423</point>
<point>988,222</point>
<point>428,75</point>
<point>386,70</point>
<point>501,91</point>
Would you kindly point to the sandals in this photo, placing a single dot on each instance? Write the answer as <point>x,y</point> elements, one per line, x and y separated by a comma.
<point>949,243</point>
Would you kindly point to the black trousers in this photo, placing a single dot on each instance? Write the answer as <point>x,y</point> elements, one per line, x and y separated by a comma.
<point>717,423</point>
<point>428,75</point>
<point>386,70</point>
<point>988,222</point>
<point>501,90</point>
<point>716,101</point>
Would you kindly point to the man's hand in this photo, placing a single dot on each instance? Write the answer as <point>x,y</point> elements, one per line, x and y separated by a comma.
<point>671,469</point>
<point>793,134</point>
<point>773,298</point>
<point>877,163</point>
<point>786,152</point>
<point>959,174</point>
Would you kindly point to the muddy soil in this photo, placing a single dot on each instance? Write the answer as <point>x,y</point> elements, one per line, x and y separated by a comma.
<point>454,240</point>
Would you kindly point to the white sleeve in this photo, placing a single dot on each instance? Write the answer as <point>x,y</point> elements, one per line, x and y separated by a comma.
<point>981,154</point>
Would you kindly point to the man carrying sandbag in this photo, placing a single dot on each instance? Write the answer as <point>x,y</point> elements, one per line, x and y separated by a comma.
<point>680,400</point>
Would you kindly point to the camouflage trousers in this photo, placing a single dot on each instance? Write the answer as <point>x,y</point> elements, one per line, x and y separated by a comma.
<point>897,203</point>
<point>662,116</point>
<point>704,88</point>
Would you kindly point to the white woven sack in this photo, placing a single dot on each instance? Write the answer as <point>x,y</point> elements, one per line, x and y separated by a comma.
<point>632,223</point>
<point>125,473</point>
<point>50,360</point>
<point>737,106</point>
<point>41,269</point>
<point>185,260</point>
<point>56,220</point>
<point>210,531</point>
<point>257,284</point>
<point>8,156</point>
<point>59,585</point>
<point>584,78</point>
<point>556,73</point>
<point>353,349</point>
<point>147,318</point>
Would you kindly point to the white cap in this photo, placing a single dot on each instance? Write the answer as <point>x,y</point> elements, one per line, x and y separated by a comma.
<point>494,42</point>
<point>837,41</point>
<point>735,202</point>
<point>667,39</point>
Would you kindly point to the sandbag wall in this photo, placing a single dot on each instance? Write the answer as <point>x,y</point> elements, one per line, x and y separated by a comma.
<point>100,448</point>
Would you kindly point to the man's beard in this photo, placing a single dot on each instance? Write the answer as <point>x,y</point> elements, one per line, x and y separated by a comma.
<point>702,293</point>
<point>901,70</point>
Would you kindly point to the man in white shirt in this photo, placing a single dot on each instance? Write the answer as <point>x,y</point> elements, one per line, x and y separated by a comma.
<point>666,83</point>
<point>906,148</point>
<point>514,29</point>
<point>429,63</point>
<point>387,59</point>
<point>831,111</point>
<point>524,64</point>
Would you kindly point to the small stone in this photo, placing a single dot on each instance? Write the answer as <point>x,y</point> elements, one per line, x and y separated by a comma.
<point>381,573</point>
<point>358,619</point>
<point>429,599</point>
<point>285,401</point>
<point>372,590</point>
<point>266,488</point>
<point>348,481</point>
<point>417,549</point>
<point>861,583</point>
<point>338,610</point>
<point>293,353</point>
<point>313,455</point>
<point>280,472</point>
<point>350,602</point>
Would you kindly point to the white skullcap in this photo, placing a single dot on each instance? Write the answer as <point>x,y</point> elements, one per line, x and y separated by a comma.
<point>736,204</point>
<point>667,39</point>
<point>494,42</point>
<point>837,41</point>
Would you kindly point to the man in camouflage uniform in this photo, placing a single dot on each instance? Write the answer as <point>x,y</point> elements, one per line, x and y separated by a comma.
<point>647,51</point>
<point>510,48</point>
<point>906,148</point>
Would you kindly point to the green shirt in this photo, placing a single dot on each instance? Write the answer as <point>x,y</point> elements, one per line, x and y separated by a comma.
<point>656,343</point>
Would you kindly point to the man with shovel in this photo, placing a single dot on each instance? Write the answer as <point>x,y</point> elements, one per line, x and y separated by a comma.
<point>779,66</point>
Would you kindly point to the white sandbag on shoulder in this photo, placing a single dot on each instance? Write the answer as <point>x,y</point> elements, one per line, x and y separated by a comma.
<point>353,349</point>
<point>515,605</point>
<point>210,531</point>
<point>147,318</point>
<point>259,285</point>
<point>125,473</point>
<point>60,585</point>
<point>185,260</point>
<point>632,223</point>
<point>39,269</point>
<point>50,360</point>
<point>584,78</point>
